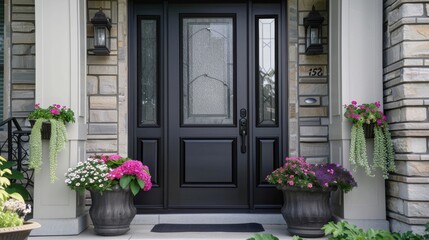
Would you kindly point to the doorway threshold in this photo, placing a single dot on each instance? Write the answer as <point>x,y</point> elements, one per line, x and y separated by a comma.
<point>209,218</point>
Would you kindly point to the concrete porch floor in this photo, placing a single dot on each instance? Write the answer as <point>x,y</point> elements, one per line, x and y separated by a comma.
<point>143,232</point>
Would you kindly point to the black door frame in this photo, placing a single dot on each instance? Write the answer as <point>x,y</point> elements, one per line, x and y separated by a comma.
<point>156,7</point>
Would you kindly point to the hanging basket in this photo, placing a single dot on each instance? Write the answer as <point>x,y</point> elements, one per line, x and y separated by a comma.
<point>368,129</point>
<point>46,129</point>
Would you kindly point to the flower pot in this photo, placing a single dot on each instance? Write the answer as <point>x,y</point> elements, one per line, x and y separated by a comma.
<point>112,211</point>
<point>18,233</point>
<point>306,211</point>
<point>46,129</point>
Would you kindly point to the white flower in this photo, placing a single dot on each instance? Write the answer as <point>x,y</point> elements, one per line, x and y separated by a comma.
<point>77,184</point>
<point>101,185</point>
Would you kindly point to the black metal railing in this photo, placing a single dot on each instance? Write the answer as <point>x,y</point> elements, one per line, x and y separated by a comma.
<point>15,149</point>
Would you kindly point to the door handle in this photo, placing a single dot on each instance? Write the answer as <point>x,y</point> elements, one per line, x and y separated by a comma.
<point>243,129</point>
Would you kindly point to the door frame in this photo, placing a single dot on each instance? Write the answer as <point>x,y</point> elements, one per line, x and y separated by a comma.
<point>161,7</point>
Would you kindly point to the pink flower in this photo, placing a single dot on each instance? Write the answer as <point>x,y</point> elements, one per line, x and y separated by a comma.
<point>37,105</point>
<point>384,118</point>
<point>326,185</point>
<point>57,105</point>
<point>354,102</point>
<point>362,107</point>
<point>291,183</point>
<point>279,181</point>
<point>113,157</point>
<point>291,176</point>
<point>135,168</point>
<point>55,111</point>
<point>309,185</point>
<point>377,104</point>
<point>379,122</point>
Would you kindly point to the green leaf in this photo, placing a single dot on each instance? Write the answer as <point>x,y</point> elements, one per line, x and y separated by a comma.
<point>141,183</point>
<point>15,175</point>
<point>17,196</point>
<point>134,187</point>
<point>7,164</point>
<point>14,187</point>
<point>125,181</point>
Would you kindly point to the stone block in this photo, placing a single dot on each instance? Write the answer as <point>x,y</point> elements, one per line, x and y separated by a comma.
<point>23,2</point>
<point>23,27</point>
<point>28,61</point>
<point>399,226</point>
<point>99,4</point>
<point>427,9</point>
<point>103,70</point>
<point>102,102</point>
<point>416,32</point>
<point>108,84</point>
<point>102,128</point>
<point>20,105</point>
<point>313,131</point>
<point>22,49</point>
<point>23,76</point>
<point>101,145</point>
<point>306,71</point>
<point>317,160</point>
<point>410,145</point>
<point>103,116</point>
<point>413,168</point>
<point>411,10</point>
<point>313,59</point>
<point>23,9</point>
<point>22,94</point>
<point>313,111</point>
<point>307,5</point>
<point>417,209</point>
<point>313,89</point>
<point>415,74</point>
<point>23,38</point>
<point>23,16</point>
<point>415,90</point>
<point>314,149</point>
<point>415,49</point>
<point>91,85</point>
<point>102,60</point>
<point>395,205</point>
<point>414,114</point>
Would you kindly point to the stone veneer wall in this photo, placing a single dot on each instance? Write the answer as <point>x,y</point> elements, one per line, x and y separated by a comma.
<point>20,53</point>
<point>106,83</point>
<point>308,124</point>
<point>406,97</point>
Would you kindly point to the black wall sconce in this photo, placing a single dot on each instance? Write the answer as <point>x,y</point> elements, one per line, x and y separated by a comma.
<point>102,26</point>
<point>313,33</point>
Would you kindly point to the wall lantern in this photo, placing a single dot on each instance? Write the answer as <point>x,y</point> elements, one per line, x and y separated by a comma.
<point>313,32</point>
<point>102,26</point>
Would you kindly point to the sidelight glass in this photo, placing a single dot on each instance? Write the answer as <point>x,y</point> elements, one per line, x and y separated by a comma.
<point>149,71</point>
<point>266,76</point>
<point>207,71</point>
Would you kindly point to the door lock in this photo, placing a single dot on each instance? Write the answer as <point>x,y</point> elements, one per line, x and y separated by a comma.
<point>243,129</point>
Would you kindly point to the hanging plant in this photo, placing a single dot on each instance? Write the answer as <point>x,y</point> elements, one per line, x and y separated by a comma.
<point>57,116</point>
<point>383,155</point>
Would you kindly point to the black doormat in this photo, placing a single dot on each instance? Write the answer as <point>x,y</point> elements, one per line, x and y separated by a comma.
<point>242,227</point>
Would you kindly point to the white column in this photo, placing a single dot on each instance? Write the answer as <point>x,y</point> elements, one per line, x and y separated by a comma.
<point>60,78</point>
<point>356,73</point>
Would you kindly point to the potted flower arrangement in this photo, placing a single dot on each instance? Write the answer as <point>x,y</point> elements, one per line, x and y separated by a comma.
<point>306,191</point>
<point>370,117</point>
<point>13,210</point>
<point>48,123</point>
<point>112,181</point>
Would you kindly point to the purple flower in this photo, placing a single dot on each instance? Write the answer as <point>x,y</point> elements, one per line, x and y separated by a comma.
<point>354,102</point>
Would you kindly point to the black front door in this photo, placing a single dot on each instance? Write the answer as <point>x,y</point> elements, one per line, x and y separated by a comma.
<point>204,103</point>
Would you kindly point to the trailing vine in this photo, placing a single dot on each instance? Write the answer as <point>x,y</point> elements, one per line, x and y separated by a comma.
<point>56,144</point>
<point>380,151</point>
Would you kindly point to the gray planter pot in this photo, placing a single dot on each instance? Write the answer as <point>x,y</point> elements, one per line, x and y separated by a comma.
<point>112,211</point>
<point>306,211</point>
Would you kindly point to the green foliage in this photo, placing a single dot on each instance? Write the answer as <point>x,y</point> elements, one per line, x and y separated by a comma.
<point>297,238</point>
<point>10,219</point>
<point>263,236</point>
<point>358,155</point>
<point>15,176</point>
<point>412,236</point>
<point>56,112</point>
<point>56,144</point>
<point>346,231</point>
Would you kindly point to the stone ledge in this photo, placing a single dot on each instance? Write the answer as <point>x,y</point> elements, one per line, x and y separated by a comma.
<point>405,103</point>
<point>409,126</point>
<point>405,179</point>
<point>407,220</point>
<point>408,133</point>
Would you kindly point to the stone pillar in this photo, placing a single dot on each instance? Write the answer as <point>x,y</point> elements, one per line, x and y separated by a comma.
<point>60,78</point>
<point>356,74</point>
<point>406,84</point>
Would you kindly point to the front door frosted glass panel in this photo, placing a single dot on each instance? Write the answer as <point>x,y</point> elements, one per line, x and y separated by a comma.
<point>207,71</point>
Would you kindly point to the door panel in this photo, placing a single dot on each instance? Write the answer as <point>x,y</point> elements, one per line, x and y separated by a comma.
<point>205,169</point>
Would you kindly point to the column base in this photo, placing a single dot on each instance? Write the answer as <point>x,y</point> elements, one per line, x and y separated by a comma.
<point>380,224</point>
<point>61,226</point>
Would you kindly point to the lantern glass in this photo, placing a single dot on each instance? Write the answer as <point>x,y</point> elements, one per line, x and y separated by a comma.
<point>100,36</point>
<point>313,36</point>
